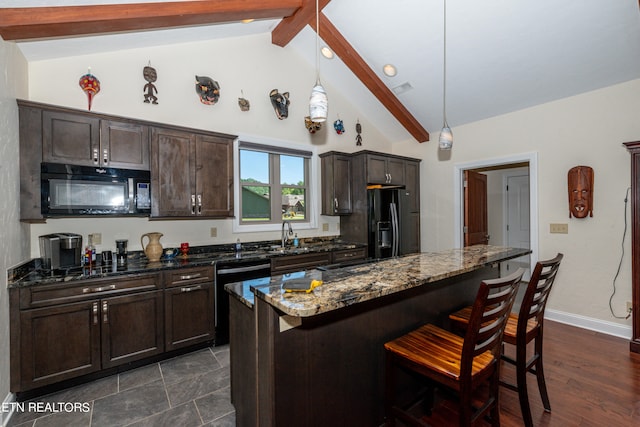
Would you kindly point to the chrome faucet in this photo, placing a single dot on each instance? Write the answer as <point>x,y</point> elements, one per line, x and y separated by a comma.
<point>284,236</point>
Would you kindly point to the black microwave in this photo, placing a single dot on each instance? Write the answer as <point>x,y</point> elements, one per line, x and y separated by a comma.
<point>73,190</point>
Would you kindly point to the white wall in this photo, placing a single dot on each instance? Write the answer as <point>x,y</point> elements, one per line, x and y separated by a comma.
<point>251,65</point>
<point>587,129</point>
<point>14,236</point>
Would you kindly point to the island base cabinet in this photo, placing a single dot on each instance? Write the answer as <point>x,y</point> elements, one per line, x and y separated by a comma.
<point>330,368</point>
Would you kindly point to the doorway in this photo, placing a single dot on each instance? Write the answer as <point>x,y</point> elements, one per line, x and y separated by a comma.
<point>517,207</point>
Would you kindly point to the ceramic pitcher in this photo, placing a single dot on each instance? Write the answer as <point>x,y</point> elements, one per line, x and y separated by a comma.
<point>153,250</point>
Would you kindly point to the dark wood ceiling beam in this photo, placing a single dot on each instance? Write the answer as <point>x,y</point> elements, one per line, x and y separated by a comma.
<point>64,21</point>
<point>290,26</point>
<point>334,39</point>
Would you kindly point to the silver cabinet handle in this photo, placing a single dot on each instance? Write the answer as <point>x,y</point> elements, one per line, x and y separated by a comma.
<point>335,199</point>
<point>191,288</point>
<point>95,313</point>
<point>190,276</point>
<point>193,204</point>
<point>98,289</point>
<point>105,312</point>
<point>95,156</point>
<point>199,204</point>
<point>105,156</point>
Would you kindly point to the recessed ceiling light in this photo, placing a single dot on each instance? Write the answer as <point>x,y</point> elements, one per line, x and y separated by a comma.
<point>247,21</point>
<point>326,52</point>
<point>389,70</point>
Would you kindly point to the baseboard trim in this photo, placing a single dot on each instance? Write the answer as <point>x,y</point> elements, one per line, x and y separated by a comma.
<point>5,416</point>
<point>603,326</point>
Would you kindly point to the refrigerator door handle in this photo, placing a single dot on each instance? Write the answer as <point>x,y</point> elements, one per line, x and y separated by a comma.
<point>394,225</point>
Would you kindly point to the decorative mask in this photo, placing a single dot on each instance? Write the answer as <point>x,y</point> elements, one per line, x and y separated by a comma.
<point>339,127</point>
<point>312,126</point>
<point>280,102</point>
<point>244,104</point>
<point>358,132</point>
<point>207,89</point>
<point>150,75</point>
<point>90,85</point>
<point>580,187</point>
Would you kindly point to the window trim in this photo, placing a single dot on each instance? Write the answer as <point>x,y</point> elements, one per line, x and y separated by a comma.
<point>280,147</point>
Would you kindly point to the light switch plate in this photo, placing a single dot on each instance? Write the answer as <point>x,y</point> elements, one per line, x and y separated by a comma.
<point>96,238</point>
<point>559,228</point>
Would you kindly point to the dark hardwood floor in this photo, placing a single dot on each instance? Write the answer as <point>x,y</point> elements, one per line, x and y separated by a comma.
<point>592,379</point>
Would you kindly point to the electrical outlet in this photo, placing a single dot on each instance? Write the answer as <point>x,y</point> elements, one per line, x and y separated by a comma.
<point>629,306</point>
<point>325,226</point>
<point>214,231</point>
<point>96,238</point>
<point>559,228</point>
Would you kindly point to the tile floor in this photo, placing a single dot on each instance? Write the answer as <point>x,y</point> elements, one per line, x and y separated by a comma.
<point>190,390</point>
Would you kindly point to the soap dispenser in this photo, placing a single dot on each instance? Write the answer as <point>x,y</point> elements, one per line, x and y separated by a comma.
<point>296,242</point>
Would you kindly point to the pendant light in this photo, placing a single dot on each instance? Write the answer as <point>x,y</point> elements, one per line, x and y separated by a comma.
<point>318,102</point>
<point>446,136</point>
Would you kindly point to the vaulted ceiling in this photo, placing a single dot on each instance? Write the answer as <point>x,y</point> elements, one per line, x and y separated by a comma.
<point>502,55</point>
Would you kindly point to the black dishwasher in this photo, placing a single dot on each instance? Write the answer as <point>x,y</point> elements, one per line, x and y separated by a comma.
<point>236,270</point>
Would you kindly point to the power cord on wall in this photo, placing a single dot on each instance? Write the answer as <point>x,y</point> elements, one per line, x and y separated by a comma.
<point>624,235</point>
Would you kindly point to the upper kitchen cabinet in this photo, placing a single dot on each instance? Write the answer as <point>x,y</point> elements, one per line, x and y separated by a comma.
<point>191,173</point>
<point>81,139</point>
<point>383,169</point>
<point>412,184</point>
<point>336,183</point>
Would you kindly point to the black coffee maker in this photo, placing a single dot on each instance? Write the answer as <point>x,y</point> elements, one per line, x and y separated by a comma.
<point>121,251</point>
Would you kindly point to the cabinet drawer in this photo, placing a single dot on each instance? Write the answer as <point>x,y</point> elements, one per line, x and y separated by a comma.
<point>348,254</point>
<point>187,276</point>
<point>45,295</point>
<point>288,264</point>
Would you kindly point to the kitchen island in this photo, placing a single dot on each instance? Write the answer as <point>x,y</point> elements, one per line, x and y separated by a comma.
<point>317,358</point>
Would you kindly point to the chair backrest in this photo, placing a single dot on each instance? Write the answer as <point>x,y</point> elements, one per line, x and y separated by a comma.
<point>488,319</point>
<point>535,298</point>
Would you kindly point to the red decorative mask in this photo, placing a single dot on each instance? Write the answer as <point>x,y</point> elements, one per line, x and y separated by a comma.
<point>580,186</point>
<point>90,85</point>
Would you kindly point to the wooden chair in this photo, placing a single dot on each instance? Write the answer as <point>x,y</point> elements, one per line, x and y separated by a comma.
<point>461,365</point>
<point>522,328</point>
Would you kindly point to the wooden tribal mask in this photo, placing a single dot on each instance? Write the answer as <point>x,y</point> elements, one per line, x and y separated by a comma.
<point>580,188</point>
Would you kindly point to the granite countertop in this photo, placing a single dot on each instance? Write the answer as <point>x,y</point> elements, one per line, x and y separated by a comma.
<point>347,286</point>
<point>31,273</point>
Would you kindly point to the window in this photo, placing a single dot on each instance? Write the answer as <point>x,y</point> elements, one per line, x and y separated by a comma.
<point>273,184</point>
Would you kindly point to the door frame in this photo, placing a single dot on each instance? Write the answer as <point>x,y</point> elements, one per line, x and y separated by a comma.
<point>458,196</point>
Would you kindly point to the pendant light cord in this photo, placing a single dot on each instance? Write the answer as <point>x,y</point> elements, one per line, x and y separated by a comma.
<point>444,69</point>
<point>317,44</point>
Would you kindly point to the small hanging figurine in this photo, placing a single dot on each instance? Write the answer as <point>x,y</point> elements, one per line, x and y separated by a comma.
<point>243,102</point>
<point>339,127</point>
<point>312,126</point>
<point>280,103</point>
<point>207,89</point>
<point>150,75</point>
<point>358,131</point>
<point>90,85</point>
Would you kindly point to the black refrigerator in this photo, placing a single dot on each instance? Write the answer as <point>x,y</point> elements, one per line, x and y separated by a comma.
<point>389,227</point>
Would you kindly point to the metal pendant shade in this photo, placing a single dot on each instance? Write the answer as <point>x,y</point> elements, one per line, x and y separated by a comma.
<point>318,101</point>
<point>446,136</point>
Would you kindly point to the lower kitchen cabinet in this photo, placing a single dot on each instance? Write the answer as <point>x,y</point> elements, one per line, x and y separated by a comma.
<point>293,263</point>
<point>189,307</point>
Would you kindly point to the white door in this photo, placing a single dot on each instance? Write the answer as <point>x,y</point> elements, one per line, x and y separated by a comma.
<point>518,229</point>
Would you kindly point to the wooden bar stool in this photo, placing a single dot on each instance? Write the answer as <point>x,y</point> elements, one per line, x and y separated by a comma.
<point>522,328</point>
<point>461,365</point>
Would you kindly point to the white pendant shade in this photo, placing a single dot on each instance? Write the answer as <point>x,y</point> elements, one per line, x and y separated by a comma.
<point>446,138</point>
<point>318,104</point>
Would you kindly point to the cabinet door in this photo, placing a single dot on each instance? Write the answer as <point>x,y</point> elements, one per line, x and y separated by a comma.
<point>124,145</point>
<point>189,315</point>
<point>395,170</point>
<point>214,176</point>
<point>377,169</point>
<point>172,173</point>
<point>336,184</point>
<point>70,138</point>
<point>58,343</point>
<point>132,327</point>
<point>412,185</point>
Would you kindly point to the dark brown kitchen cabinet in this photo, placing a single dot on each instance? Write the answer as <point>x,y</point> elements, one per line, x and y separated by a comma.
<point>382,169</point>
<point>89,140</point>
<point>412,185</point>
<point>65,330</point>
<point>191,174</point>
<point>293,263</point>
<point>346,255</point>
<point>189,307</point>
<point>336,183</point>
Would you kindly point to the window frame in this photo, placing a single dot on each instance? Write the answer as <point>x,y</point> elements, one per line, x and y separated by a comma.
<point>312,198</point>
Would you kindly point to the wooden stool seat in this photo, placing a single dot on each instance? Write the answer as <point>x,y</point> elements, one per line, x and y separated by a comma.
<point>461,365</point>
<point>522,328</point>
